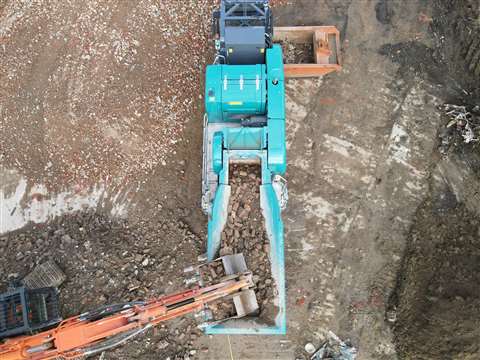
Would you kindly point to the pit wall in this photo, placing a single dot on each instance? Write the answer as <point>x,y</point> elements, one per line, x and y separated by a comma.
<point>461,178</point>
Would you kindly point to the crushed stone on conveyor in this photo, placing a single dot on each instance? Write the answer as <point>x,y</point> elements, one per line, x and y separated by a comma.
<point>245,233</point>
<point>212,273</point>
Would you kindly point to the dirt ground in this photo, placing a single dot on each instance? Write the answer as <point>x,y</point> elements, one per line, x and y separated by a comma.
<point>101,108</point>
<point>438,290</point>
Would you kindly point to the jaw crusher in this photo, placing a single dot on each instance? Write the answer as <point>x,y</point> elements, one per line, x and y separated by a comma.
<point>245,123</point>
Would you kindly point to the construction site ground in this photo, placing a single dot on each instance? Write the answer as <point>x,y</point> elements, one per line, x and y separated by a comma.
<point>101,115</point>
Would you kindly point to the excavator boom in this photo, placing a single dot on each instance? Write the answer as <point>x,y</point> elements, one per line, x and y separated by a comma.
<point>110,326</point>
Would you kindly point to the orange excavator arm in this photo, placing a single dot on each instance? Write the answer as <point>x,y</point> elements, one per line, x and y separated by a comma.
<point>110,326</point>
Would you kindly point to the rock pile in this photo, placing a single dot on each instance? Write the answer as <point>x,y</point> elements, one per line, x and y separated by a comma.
<point>212,273</point>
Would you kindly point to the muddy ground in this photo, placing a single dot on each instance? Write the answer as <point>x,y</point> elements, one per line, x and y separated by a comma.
<point>437,284</point>
<point>108,95</point>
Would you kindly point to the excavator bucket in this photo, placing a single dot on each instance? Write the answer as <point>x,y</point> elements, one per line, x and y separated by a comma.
<point>222,269</point>
<point>326,49</point>
<point>245,301</point>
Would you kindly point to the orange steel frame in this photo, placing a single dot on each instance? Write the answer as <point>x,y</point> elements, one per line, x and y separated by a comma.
<point>319,36</point>
<point>72,336</point>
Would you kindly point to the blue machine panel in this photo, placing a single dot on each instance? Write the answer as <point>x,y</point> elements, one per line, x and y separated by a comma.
<point>235,91</point>
<point>277,145</point>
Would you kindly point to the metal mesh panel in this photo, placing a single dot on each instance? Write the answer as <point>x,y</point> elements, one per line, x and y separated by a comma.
<point>45,275</point>
<point>43,308</point>
<point>13,318</point>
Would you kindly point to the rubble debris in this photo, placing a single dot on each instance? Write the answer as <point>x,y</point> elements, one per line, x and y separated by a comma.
<point>105,263</point>
<point>212,273</point>
<point>391,314</point>
<point>245,233</point>
<point>463,126</point>
<point>297,53</point>
<point>335,349</point>
<point>222,310</point>
<point>310,348</point>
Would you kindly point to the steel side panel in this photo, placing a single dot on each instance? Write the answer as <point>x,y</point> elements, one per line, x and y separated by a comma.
<point>277,151</point>
<point>217,220</point>
<point>274,226</point>
<point>213,93</point>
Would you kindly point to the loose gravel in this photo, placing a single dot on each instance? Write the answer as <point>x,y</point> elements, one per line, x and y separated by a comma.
<point>99,91</point>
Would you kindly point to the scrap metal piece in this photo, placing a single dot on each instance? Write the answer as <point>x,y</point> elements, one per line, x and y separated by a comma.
<point>23,311</point>
<point>245,302</point>
<point>335,349</point>
<point>281,190</point>
<point>464,125</point>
